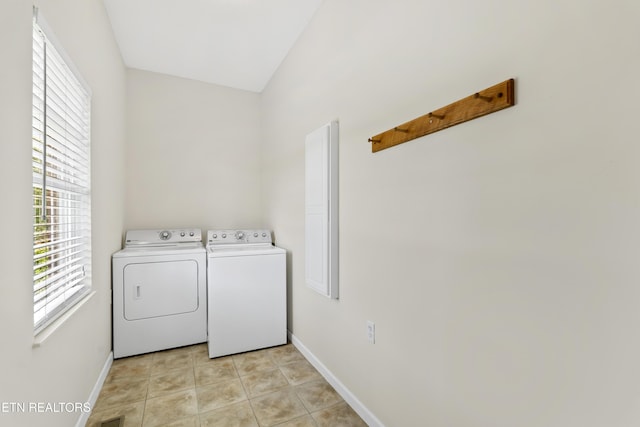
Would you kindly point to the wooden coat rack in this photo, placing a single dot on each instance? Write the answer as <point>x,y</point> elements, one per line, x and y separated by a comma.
<point>490,100</point>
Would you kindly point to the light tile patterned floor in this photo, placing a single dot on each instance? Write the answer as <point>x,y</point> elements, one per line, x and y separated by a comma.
<point>184,388</point>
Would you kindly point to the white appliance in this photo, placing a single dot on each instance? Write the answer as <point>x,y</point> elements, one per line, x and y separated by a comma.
<point>159,291</point>
<point>247,291</point>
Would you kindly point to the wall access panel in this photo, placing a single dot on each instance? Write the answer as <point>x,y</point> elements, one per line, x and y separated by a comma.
<point>321,210</point>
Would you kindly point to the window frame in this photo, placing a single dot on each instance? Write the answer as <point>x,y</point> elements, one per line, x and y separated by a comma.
<point>61,184</point>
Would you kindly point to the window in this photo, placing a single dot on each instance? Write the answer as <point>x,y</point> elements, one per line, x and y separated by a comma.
<point>61,181</point>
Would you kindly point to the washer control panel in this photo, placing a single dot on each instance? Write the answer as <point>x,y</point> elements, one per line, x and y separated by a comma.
<point>162,236</point>
<point>238,237</point>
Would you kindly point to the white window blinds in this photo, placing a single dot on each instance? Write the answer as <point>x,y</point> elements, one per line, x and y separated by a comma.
<point>61,182</point>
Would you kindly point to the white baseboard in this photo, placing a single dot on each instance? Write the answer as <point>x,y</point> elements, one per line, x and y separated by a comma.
<point>343,391</point>
<point>93,397</point>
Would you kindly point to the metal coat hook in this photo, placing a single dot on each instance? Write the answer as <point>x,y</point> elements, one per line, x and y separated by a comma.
<point>397,129</point>
<point>437,116</point>
<point>375,141</point>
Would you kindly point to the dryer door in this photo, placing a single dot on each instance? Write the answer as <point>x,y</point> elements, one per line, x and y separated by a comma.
<point>154,289</point>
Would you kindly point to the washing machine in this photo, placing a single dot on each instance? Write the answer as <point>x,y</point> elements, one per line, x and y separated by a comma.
<point>159,291</point>
<point>247,291</point>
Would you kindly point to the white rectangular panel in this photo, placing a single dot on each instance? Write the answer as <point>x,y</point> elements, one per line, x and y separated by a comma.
<point>247,300</point>
<point>154,289</point>
<point>321,210</point>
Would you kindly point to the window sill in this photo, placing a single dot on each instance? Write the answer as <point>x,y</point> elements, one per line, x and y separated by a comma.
<point>43,335</point>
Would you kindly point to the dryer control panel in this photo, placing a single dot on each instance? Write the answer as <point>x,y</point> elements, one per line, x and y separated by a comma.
<point>162,236</point>
<point>238,237</point>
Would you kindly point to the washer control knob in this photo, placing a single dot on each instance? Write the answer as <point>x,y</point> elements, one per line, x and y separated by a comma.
<point>239,235</point>
<point>224,235</point>
<point>165,235</point>
<point>255,234</point>
<point>182,234</point>
<point>215,236</point>
<point>191,233</point>
<point>264,234</point>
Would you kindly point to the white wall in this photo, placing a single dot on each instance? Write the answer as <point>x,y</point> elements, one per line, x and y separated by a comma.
<point>65,368</point>
<point>498,258</point>
<point>193,154</point>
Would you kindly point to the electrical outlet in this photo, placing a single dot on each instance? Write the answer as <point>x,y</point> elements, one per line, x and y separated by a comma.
<point>371,331</point>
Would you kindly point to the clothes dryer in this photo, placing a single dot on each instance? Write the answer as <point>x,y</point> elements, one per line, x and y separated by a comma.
<point>159,291</point>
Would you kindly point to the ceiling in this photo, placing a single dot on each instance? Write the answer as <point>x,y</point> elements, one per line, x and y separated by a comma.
<point>234,43</point>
